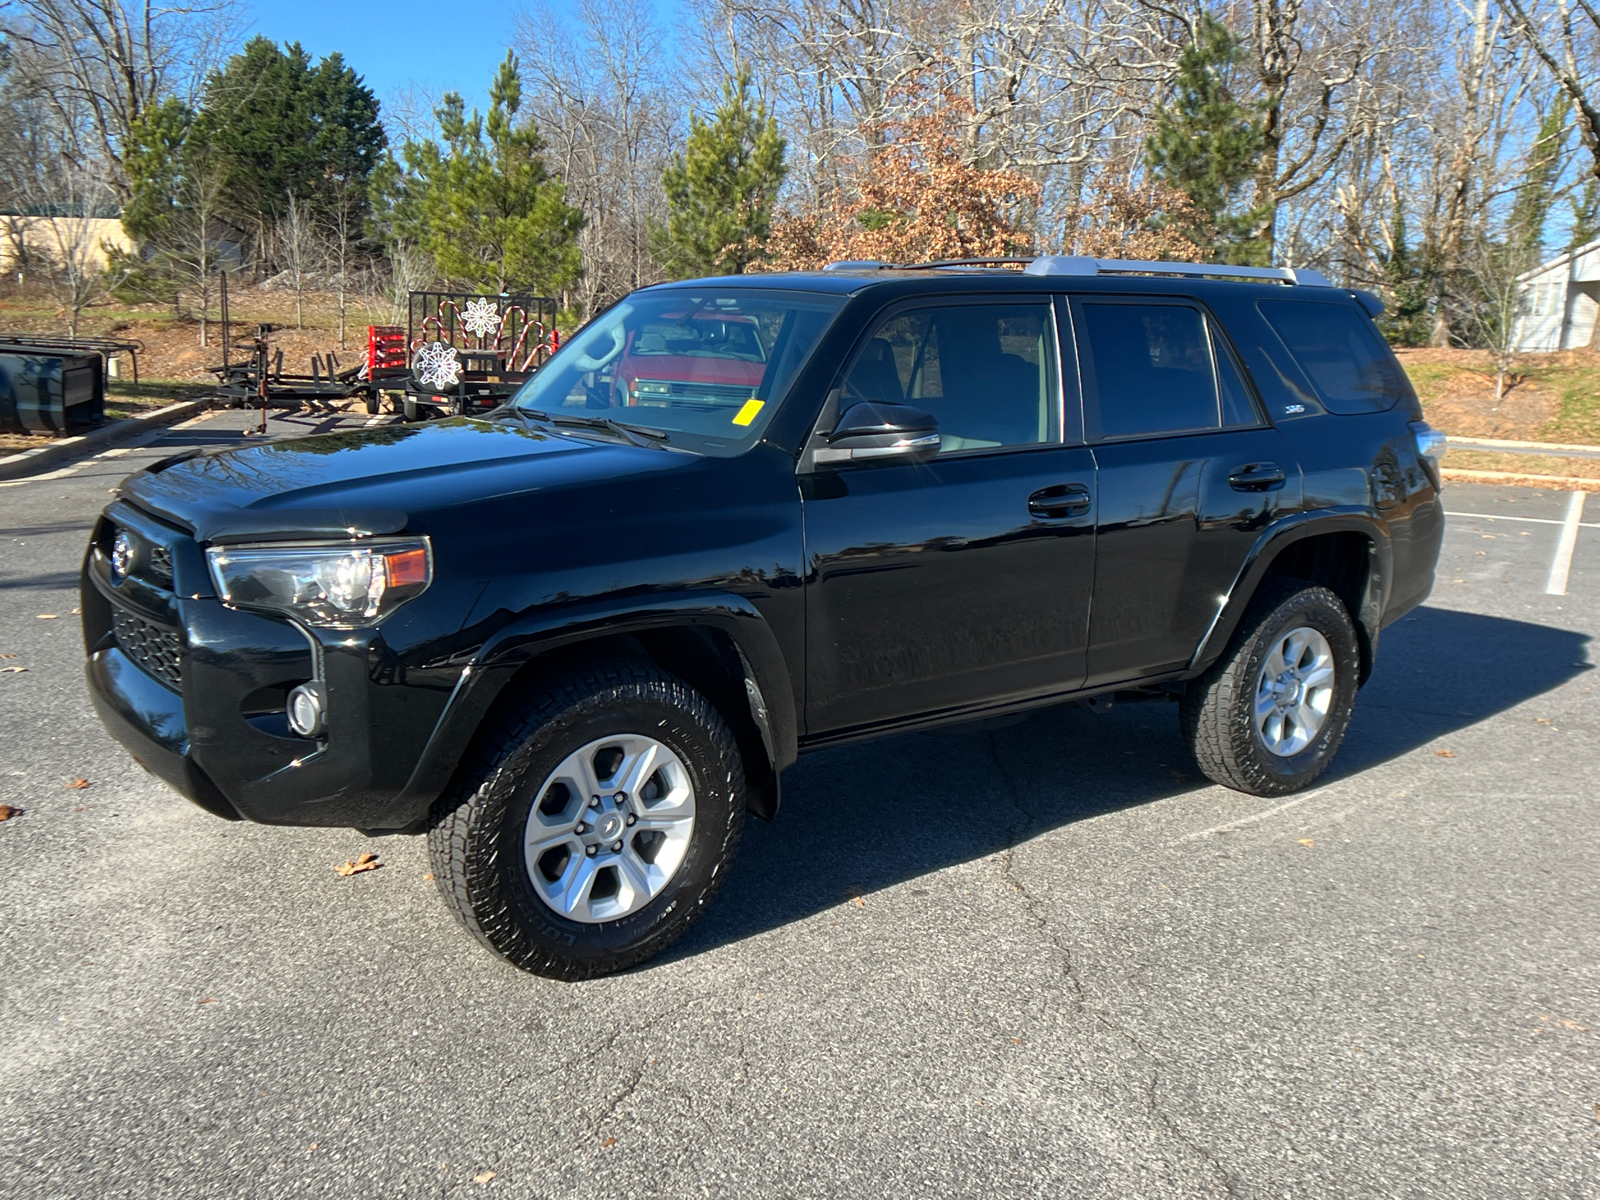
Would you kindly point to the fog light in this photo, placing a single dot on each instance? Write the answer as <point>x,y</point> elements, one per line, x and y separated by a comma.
<point>305,709</point>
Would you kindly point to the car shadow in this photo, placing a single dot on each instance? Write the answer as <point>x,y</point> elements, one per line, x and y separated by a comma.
<point>864,817</point>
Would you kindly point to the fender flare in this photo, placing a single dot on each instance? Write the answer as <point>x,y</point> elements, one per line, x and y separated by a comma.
<point>1272,542</point>
<point>534,634</point>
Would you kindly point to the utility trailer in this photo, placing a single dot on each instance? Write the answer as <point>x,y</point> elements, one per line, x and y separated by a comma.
<point>469,353</point>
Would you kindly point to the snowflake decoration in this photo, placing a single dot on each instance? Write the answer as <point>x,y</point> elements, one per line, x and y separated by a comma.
<point>436,365</point>
<point>481,318</point>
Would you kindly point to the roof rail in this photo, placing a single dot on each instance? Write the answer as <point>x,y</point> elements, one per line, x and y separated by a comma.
<point>1073,264</point>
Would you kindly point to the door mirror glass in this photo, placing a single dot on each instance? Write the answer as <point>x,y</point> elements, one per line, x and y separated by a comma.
<point>881,432</point>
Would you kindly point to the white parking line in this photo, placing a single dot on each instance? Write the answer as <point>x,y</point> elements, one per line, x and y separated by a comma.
<point>1534,520</point>
<point>1561,565</point>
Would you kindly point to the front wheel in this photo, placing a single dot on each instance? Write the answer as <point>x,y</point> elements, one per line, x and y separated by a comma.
<point>1269,716</point>
<point>593,823</point>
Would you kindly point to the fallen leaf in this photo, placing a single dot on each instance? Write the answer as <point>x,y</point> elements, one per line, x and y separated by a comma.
<point>1308,841</point>
<point>1016,1041</point>
<point>81,808</point>
<point>1566,1024</point>
<point>12,670</point>
<point>312,1147</point>
<point>1444,753</point>
<point>210,1000</point>
<point>7,655</point>
<point>1543,720</point>
<point>367,862</point>
<point>77,612</point>
<point>77,783</point>
<point>428,878</point>
<point>483,1177</point>
<point>49,616</point>
<point>858,901</point>
<point>610,1141</point>
<point>7,812</point>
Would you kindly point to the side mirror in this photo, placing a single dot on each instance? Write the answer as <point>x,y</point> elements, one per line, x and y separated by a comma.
<point>871,431</point>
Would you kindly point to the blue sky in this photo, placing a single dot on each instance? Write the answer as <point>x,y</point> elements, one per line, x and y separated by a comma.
<point>439,47</point>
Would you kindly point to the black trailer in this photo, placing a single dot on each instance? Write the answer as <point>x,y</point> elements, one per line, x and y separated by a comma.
<point>470,352</point>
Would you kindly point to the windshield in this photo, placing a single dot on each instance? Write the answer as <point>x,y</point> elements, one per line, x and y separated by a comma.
<point>706,367</point>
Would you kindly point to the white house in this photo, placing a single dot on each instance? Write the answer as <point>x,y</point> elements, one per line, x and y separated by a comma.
<point>1559,300</point>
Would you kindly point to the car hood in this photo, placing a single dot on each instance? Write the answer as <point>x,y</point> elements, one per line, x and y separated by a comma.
<point>374,481</point>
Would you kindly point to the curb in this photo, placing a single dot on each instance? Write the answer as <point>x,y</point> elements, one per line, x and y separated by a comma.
<point>1557,483</point>
<point>28,462</point>
<point>1504,446</point>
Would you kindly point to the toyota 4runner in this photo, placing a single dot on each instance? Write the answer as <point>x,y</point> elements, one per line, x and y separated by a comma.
<point>578,638</point>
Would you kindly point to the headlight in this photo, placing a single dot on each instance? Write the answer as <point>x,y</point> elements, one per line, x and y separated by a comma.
<point>342,584</point>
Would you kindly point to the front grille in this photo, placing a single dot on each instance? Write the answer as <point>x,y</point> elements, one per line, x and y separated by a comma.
<point>647,390</point>
<point>155,648</point>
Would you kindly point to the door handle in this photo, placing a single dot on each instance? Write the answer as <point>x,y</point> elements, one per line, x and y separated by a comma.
<point>1256,477</point>
<point>1060,501</point>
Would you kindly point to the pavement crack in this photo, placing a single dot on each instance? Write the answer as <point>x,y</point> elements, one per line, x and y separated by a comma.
<point>1036,913</point>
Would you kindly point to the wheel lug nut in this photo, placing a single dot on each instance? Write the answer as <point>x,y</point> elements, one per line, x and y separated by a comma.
<point>580,828</point>
<point>620,798</point>
<point>595,803</point>
<point>616,847</point>
<point>592,850</point>
<point>632,818</point>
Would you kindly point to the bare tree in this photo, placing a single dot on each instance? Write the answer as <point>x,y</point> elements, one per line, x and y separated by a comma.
<point>610,119</point>
<point>1566,37</point>
<point>198,238</point>
<point>72,205</point>
<point>296,239</point>
<point>102,64</point>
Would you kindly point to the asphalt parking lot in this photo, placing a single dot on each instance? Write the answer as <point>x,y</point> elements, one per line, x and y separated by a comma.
<point>1044,960</point>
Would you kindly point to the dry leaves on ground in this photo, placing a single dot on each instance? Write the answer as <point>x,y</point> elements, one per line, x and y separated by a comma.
<point>77,783</point>
<point>12,670</point>
<point>1444,753</point>
<point>610,1141</point>
<point>49,616</point>
<point>7,812</point>
<point>483,1177</point>
<point>367,862</point>
<point>1308,841</point>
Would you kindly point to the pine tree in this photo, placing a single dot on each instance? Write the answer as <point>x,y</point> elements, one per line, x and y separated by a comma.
<point>720,190</point>
<point>1405,320</point>
<point>1205,144</point>
<point>1536,194</point>
<point>483,205</point>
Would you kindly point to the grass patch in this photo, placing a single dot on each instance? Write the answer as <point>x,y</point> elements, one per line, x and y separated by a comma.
<point>1523,464</point>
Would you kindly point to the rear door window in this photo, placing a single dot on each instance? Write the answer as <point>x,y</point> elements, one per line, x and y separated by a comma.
<point>1346,362</point>
<point>1147,370</point>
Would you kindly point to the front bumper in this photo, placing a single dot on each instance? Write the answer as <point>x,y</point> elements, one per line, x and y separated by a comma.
<point>195,691</point>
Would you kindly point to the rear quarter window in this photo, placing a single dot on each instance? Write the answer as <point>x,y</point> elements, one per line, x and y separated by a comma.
<point>1346,361</point>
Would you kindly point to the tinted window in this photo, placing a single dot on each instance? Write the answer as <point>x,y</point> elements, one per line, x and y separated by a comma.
<point>1146,369</point>
<point>1340,353</point>
<point>986,372</point>
<point>1236,407</point>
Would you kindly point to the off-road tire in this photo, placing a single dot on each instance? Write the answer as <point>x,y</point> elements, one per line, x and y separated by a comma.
<point>475,836</point>
<point>1217,709</point>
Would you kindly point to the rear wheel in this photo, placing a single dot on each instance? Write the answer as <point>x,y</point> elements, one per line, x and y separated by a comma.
<point>593,823</point>
<point>1269,716</point>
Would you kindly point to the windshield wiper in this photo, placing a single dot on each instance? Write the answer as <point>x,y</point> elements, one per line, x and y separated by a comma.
<point>637,435</point>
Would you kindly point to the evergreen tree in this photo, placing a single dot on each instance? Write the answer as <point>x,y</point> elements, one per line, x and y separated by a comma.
<point>721,189</point>
<point>483,205</point>
<point>281,127</point>
<point>1536,194</point>
<point>1585,216</point>
<point>1405,320</point>
<point>1205,143</point>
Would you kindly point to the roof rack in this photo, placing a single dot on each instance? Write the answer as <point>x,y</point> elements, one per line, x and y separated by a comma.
<point>1073,264</point>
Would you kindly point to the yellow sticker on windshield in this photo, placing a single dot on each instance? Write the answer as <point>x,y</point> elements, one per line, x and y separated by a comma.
<point>748,413</point>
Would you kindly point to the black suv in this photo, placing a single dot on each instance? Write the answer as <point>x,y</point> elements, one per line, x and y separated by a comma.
<point>576,639</point>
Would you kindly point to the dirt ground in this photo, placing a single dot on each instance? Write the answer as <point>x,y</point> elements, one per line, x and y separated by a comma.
<point>1549,397</point>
